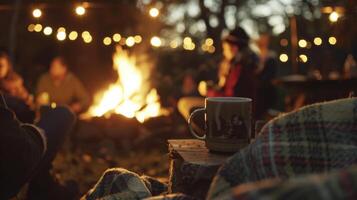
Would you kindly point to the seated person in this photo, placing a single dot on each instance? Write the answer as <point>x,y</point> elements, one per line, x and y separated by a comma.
<point>62,87</point>
<point>235,74</point>
<point>11,85</point>
<point>28,150</point>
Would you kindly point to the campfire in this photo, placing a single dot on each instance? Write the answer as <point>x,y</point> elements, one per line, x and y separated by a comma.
<point>130,95</point>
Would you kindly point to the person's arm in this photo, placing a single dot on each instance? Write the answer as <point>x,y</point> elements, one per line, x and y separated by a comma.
<point>42,97</point>
<point>21,149</point>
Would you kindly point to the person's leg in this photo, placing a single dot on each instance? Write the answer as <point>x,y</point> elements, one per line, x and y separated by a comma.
<point>56,123</point>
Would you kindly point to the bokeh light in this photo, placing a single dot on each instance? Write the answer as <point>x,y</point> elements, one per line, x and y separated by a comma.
<point>116,37</point>
<point>73,35</point>
<point>317,41</point>
<point>85,34</point>
<point>38,28</point>
<point>174,44</point>
<point>80,10</point>
<point>107,41</point>
<point>332,40</point>
<point>302,43</point>
<point>284,42</point>
<point>88,39</point>
<point>47,30</point>
<point>31,27</point>
<point>283,57</point>
<point>204,47</point>
<point>130,41</point>
<point>211,49</point>
<point>61,29</point>
<point>61,35</point>
<point>303,58</point>
<point>36,13</point>
<point>138,39</point>
<point>154,12</point>
<point>155,41</point>
<point>209,41</point>
<point>333,17</point>
<point>188,44</point>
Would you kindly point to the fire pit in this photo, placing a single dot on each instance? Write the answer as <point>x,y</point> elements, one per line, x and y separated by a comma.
<point>129,109</point>
<point>131,95</point>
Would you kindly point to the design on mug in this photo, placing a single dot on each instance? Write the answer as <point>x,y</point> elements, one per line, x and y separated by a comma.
<point>234,128</point>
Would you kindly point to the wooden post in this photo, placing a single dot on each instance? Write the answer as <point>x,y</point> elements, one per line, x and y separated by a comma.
<point>294,43</point>
<point>192,167</point>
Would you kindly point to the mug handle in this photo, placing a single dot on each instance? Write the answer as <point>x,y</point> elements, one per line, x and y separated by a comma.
<point>199,110</point>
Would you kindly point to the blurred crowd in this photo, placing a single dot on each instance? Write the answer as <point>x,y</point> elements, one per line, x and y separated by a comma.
<point>58,86</point>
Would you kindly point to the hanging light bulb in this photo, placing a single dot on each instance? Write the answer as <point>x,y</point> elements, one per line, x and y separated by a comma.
<point>333,17</point>
<point>80,10</point>
<point>47,30</point>
<point>154,12</point>
<point>155,41</point>
<point>37,13</point>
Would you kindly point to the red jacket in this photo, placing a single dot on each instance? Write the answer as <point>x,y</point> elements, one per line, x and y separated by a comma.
<point>240,82</point>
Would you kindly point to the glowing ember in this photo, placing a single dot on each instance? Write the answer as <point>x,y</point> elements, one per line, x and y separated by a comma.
<point>129,96</point>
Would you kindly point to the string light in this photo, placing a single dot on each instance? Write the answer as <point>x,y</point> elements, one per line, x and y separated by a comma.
<point>73,35</point>
<point>38,28</point>
<point>88,39</point>
<point>85,34</point>
<point>187,40</point>
<point>116,37</point>
<point>31,27</point>
<point>154,12</point>
<point>36,13</point>
<point>61,35</point>
<point>47,30</point>
<point>138,39</point>
<point>332,40</point>
<point>107,41</point>
<point>174,44</point>
<point>211,49</point>
<point>130,41</point>
<point>302,43</point>
<point>155,41</point>
<point>209,41</point>
<point>204,47</point>
<point>80,10</point>
<point>284,42</point>
<point>283,57</point>
<point>188,44</point>
<point>303,58</point>
<point>317,41</point>
<point>53,105</point>
<point>61,29</point>
<point>333,17</point>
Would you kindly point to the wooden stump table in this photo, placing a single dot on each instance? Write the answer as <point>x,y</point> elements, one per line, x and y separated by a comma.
<point>192,167</point>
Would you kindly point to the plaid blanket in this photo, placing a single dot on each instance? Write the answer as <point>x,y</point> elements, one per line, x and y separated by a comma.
<point>336,185</point>
<point>121,184</point>
<point>315,139</point>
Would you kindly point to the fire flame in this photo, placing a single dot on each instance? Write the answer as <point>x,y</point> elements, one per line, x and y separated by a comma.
<point>128,96</point>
